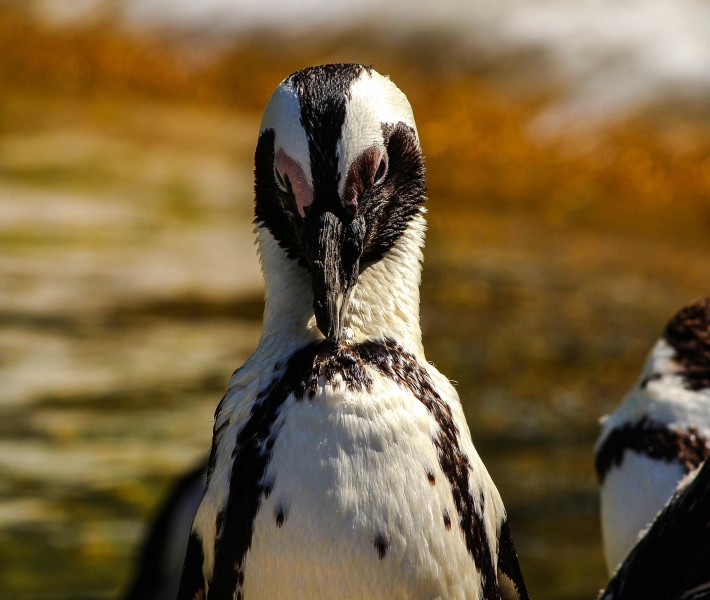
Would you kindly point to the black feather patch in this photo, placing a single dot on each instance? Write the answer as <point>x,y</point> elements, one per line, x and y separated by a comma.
<point>251,458</point>
<point>447,520</point>
<point>216,433</point>
<point>508,564</point>
<point>688,332</point>
<point>192,583</point>
<point>655,440</point>
<point>389,208</point>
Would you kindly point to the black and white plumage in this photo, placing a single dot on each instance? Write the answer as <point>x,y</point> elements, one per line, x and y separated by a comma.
<point>659,433</point>
<point>342,465</point>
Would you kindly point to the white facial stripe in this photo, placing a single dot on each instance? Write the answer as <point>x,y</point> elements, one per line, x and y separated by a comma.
<point>283,115</point>
<point>374,100</point>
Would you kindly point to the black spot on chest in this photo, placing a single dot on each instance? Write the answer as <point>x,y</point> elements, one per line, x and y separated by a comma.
<point>323,92</point>
<point>280,515</point>
<point>381,544</point>
<point>649,379</point>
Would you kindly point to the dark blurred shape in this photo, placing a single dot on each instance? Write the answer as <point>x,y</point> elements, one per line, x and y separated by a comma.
<point>672,561</point>
<point>163,551</point>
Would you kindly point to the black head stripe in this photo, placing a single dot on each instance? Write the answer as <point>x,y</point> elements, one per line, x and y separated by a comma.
<point>323,92</point>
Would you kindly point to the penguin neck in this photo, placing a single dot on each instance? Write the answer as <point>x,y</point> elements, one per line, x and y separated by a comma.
<point>384,303</point>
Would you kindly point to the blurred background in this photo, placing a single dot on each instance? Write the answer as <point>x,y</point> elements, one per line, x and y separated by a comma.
<point>569,183</point>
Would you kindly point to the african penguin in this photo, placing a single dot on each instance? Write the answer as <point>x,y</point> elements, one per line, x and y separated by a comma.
<point>672,559</point>
<point>658,434</point>
<point>341,463</point>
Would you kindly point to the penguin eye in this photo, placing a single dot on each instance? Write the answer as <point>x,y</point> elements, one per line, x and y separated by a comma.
<point>381,170</point>
<point>281,182</point>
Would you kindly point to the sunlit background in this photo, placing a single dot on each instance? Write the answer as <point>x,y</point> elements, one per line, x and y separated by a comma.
<point>569,208</point>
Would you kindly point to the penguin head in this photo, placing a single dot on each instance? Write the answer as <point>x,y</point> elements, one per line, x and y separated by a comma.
<point>339,174</point>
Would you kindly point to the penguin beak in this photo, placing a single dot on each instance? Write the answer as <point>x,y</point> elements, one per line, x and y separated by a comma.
<point>333,251</point>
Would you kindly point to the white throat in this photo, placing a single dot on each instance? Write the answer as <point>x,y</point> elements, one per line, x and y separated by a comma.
<point>384,303</point>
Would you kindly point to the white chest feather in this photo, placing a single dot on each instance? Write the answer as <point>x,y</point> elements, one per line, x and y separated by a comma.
<point>631,497</point>
<point>368,497</point>
<point>369,485</point>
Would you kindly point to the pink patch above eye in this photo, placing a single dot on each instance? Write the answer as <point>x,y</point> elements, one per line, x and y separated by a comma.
<point>367,170</point>
<point>291,170</point>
